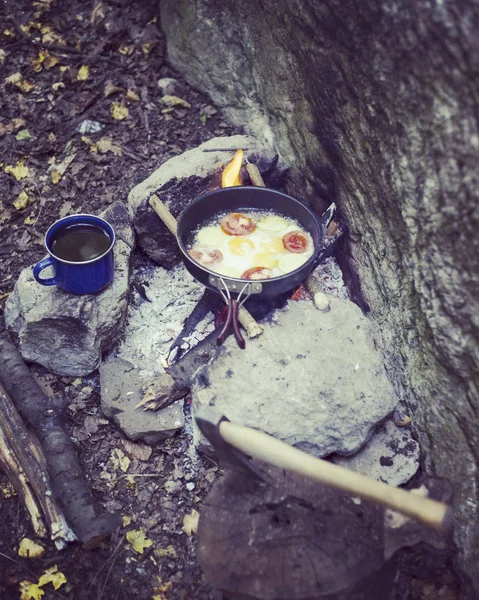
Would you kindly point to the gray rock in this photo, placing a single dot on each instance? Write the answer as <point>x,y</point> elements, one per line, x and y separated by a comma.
<point>183,178</point>
<point>374,105</point>
<point>312,379</point>
<point>121,383</point>
<point>391,455</point>
<point>167,86</point>
<point>67,334</point>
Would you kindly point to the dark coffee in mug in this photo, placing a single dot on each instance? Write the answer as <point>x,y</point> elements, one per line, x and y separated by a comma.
<point>79,242</point>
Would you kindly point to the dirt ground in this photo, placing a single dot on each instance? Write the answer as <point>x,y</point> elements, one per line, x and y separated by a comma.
<point>64,64</point>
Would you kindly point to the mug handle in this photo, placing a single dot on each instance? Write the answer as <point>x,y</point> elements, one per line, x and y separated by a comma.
<point>43,264</point>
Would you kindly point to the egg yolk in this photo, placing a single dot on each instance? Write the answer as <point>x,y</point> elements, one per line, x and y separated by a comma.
<point>273,246</point>
<point>240,246</point>
<point>264,259</point>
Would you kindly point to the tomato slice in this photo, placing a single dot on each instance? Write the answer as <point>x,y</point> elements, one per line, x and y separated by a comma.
<point>237,224</point>
<point>257,273</point>
<point>206,256</point>
<point>296,241</point>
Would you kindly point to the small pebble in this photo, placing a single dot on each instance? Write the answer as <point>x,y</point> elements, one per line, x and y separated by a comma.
<point>321,302</point>
<point>167,85</point>
<point>190,486</point>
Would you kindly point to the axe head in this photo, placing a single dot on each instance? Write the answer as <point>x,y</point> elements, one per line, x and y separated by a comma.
<point>209,420</point>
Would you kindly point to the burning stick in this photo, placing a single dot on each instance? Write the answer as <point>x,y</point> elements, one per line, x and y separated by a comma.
<point>253,329</point>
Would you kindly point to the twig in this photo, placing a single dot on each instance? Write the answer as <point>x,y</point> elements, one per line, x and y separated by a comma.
<point>111,557</point>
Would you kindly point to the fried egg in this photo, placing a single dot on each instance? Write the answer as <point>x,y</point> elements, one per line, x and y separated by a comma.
<point>263,247</point>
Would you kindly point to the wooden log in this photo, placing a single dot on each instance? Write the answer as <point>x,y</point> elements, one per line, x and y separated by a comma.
<point>252,328</point>
<point>22,459</point>
<point>290,539</point>
<point>45,417</point>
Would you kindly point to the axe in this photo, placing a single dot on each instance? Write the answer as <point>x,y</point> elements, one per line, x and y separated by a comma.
<point>236,444</point>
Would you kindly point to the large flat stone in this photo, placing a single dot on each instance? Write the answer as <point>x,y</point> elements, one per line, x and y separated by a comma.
<point>313,380</point>
<point>391,455</point>
<point>68,334</point>
<point>183,178</point>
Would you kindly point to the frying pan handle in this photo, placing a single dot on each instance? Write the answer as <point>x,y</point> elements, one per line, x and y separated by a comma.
<point>231,322</point>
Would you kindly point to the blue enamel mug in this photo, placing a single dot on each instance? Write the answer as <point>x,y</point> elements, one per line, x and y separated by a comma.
<point>83,275</point>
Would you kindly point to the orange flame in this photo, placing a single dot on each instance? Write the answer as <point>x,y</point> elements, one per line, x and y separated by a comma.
<point>231,174</point>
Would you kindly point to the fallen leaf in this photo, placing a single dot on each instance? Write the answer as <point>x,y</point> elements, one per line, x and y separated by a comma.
<point>98,13</point>
<point>19,170</point>
<point>6,489</point>
<point>57,170</point>
<point>3,56</point>
<point>53,576</point>
<point>132,485</point>
<point>147,48</point>
<point>118,111</point>
<point>161,590</point>
<point>44,59</point>
<point>83,73</point>
<point>17,80</point>
<point>190,522</point>
<point>30,220</point>
<point>24,134</point>
<point>168,552</point>
<point>139,451</point>
<point>30,549</point>
<point>126,520</point>
<point>174,101</point>
<point>119,460</point>
<point>12,126</point>
<point>51,137</point>
<point>110,89</point>
<point>131,95</point>
<point>21,202</point>
<point>30,591</point>
<point>65,209</point>
<point>203,118</point>
<point>104,145</point>
<point>138,540</point>
<point>56,86</point>
<point>125,50</point>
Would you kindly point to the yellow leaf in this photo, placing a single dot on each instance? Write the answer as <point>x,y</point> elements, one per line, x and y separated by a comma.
<point>132,485</point>
<point>119,460</point>
<point>64,68</point>
<point>83,73</point>
<point>162,590</point>
<point>126,519</point>
<point>111,88</point>
<point>30,220</point>
<point>125,50</point>
<point>20,204</point>
<point>168,552</point>
<point>30,591</point>
<point>53,576</point>
<point>138,540</point>
<point>56,86</point>
<point>55,176</point>
<point>51,61</point>
<point>19,170</point>
<point>14,78</point>
<point>147,48</point>
<point>131,95</point>
<point>118,111</point>
<point>8,33</point>
<point>30,549</point>
<point>86,140</point>
<point>51,137</point>
<point>190,522</point>
<point>174,101</point>
<point>105,144</point>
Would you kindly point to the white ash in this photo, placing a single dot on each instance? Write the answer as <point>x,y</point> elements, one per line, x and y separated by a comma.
<point>330,278</point>
<point>154,323</point>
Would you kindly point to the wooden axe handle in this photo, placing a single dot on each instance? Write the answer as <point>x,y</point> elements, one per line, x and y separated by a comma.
<point>264,447</point>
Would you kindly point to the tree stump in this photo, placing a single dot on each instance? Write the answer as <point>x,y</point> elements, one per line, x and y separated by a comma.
<point>293,539</point>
